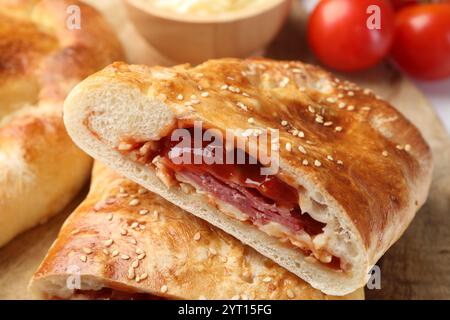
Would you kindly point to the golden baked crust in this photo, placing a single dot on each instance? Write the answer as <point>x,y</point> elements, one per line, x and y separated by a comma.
<point>40,61</point>
<point>365,165</point>
<point>191,258</point>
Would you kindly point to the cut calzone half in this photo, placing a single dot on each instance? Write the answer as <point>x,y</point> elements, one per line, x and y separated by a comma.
<point>315,173</point>
<point>124,242</point>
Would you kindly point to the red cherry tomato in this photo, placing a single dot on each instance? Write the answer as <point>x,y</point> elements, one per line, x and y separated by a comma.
<point>342,35</point>
<point>398,4</point>
<point>422,40</point>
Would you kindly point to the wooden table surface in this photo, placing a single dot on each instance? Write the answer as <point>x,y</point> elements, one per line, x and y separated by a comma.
<point>416,267</point>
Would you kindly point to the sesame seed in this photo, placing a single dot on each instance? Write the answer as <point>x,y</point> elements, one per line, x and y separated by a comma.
<point>399,147</point>
<point>317,163</point>
<point>290,294</point>
<point>338,129</point>
<point>319,119</point>
<point>156,214</point>
<point>242,106</point>
<point>134,225</point>
<point>301,134</point>
<point>340,95</point>
<point>143,212</point>
<point>294,132</point>
<point>180,97</point>
<point>106,251</point>
<point>122,195</point>
<point>328,123</point>
<point>224,259</point>
<point>329,157</point>
<point>340,162</point>
<point>115,253</point>
<point>251,120</point>
<point>87,250</point>
<point>135,264</point>
<point>407,147</point>
<point>311,109</point>
<point>351,93</point>
<point>142,191</point>
<point>331,100</point>
<point>302,149</point>
<point>139,251</point>
<point>144,276</point>
<point>164,289</point>
<point>385,153</point>
<point>342,105</point>
<point>133,241</point>
<point>138,279</point>
<point>199,87</point>
<point>366,91</point>
<point>267,279</point>
<point>224,87</point>
<point>197,236</point>
<point>141,256</point>
<point>123,232</point>
<point>131,274</point>
<point>83,258</point>
<point>110,216</point>
<point>204,94</point>
<point>288,146</point>
<point>124,257</point>
<point>212,251</point>
<point>305,162</point>
<point>351,108</point>
<point>284,123</point>
<point>134,202</point>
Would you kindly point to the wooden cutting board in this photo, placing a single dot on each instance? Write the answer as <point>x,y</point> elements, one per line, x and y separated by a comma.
<point>416,267</point>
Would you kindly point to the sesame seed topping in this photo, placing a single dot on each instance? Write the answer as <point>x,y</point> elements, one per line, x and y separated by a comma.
<point>87,250</point>
<point>311,109</point>
<point>144,276</point>
<point>329,157</point>
<point>143,212</point>
<point>204,94</point>
<point>366,91</point>
<point>139,251</point>
<point>267,279</point>
<point>385,153</point>
<point>317,163</point>
<point>224,87</point>
<point>288,146</point>
<point>197,236</point>
<point>342,105</point>
<point>340,162</point>
<point>131,274</point>
<point>133,241</point>
<point>164,289</point>
<point>135,264</point>
<point>351,93</point>
<point>338,129</point>
<point>138,279</point>
<point>180,97</point>
<point>134,202</point>
<point>156,214</point>
<point>305,162</point>
<point>199,87</point>
<point>407,147</point>
<point>123,232</point>
<point>242,106</point>
<point>141,256</point>
<point>106,251</point>
<point>290,294</point>
<point>134,225</point>
<point>301,134</point>
<point>251,120</point>
<point>83,258</point>
<point>399,147</point>
<point>109,242</point>
<point>224,259</point>
<point>351,108</point>
<point>110,216</point>
<point>302,149</point>
<point>142,191</point>
<point>284,123</point>
<point>319,119</point>
<point>331,100</point>
<point>124,257</point>
<point>328,123</point>
<point>115,253</point>
<point>212,251</point>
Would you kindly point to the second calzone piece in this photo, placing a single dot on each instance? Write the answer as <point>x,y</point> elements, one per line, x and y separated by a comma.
<point>315,173</point>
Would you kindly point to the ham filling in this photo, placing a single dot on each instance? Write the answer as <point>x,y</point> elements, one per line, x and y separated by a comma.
<point>265,201</point>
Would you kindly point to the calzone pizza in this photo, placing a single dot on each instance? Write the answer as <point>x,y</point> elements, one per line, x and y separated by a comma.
<point>124,242</point>
<point>314,172</point>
